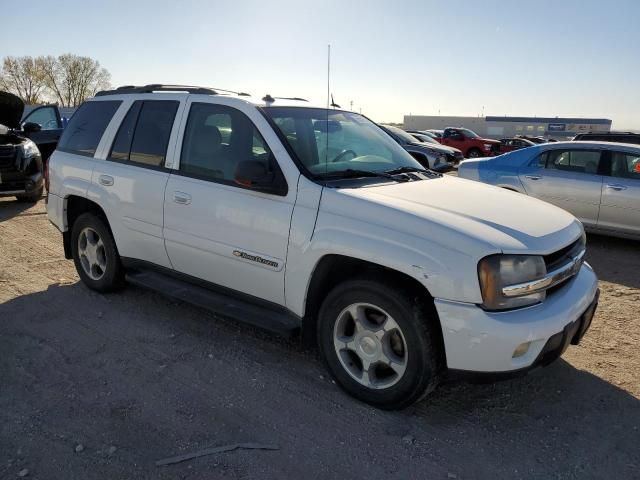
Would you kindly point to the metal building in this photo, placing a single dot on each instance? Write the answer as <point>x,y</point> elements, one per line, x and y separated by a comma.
<point>502,127</point>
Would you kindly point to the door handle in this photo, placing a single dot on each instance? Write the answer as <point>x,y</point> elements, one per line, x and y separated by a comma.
<point>616,187</point>
<point>182,198</point>
<point>533,177</point>
<point>106,180</point>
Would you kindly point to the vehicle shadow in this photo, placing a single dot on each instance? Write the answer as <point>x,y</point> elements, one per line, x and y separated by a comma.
<point>10,207</point>
<point>147,373</point>
<point>615,260</point>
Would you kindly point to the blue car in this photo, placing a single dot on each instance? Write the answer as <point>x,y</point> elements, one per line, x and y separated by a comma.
<point>598,182</point>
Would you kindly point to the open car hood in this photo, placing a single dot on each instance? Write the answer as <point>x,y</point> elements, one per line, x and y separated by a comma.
<point>11,108</point>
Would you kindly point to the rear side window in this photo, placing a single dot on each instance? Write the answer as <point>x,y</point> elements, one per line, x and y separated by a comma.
<point>144,133</point>
<point>625,165</point>
<point>581,161</point>
<point>87,126</point>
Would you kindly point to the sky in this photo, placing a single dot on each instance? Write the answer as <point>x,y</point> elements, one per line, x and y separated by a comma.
<point>390,58</point>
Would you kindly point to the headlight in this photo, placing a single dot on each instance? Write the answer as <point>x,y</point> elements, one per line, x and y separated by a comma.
<point>498,271</point>
<point>487,146</point>
<point>30,149</point>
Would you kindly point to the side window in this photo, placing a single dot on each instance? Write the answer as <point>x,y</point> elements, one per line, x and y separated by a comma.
<point>625,165</point>
<point>581,161</point>
<point>144,133</point>
<point>86,127</point>
<point>45,117</point>
<point>541,161</point>
<point>216,139</point>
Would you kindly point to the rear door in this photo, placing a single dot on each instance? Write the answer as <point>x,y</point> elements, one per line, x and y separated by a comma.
<point>129,183</point>
<point>568,178</point>
<point>620,206</point>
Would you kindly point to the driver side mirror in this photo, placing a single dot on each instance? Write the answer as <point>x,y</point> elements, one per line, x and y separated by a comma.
<point>31,127</point>
<point>254,175</point>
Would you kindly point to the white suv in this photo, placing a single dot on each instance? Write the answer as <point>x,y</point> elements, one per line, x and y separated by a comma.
<point>297,218</point>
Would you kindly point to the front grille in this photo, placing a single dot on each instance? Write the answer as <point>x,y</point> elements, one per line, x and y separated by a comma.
<point>564,255</point>
<point>7,158</point>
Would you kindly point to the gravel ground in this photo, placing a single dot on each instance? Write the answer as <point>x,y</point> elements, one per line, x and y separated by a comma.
<point>95,386</point>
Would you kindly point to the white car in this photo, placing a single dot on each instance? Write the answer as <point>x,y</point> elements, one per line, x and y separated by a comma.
<point>296,218</point>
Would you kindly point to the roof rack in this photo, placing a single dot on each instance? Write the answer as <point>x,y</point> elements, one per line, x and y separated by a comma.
<point>156,87</point>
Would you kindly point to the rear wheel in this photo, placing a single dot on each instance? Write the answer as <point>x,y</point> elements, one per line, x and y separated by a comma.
<point>379,343</point>
<point>95,255</point>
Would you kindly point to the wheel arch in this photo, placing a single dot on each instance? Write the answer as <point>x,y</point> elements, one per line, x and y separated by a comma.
<point>74,206</point>
<point>333,269</point>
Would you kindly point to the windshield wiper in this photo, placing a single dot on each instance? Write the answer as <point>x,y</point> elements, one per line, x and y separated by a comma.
<point>354,173</point>
<point>398,170</point>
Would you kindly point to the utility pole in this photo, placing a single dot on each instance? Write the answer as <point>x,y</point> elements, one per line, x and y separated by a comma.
<point>351,105</point>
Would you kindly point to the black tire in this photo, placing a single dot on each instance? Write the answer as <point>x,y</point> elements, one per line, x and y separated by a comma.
<point>112,277</point>
<point>474,153</point>
<point>416,318</point>
<point>32,198</point>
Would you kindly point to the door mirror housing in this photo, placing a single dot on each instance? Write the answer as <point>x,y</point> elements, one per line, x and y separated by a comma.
<point>31,127</point>
<point>254,175</point>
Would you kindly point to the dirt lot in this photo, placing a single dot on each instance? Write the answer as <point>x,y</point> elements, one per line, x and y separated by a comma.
<point>134,377</point>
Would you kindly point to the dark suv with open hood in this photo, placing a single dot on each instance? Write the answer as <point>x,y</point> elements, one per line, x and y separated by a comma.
<point>21,170</point>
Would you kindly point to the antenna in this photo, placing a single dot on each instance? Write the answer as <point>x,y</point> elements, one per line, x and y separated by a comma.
<point>334,104</point>
<point>328,72</point>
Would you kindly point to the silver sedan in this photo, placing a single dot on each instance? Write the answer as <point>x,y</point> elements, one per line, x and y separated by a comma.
<point>598,182</point>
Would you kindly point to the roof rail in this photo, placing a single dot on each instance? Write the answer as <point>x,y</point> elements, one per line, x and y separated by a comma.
<point>156,87</point>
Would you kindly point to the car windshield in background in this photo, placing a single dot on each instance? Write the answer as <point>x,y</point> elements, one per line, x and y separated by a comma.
<point>328,142</point>
<point>469,133</point>
<point>398,132</point>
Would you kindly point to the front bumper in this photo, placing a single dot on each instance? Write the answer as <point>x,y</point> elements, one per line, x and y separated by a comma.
<point>480,341</point>
<point>19,184</point>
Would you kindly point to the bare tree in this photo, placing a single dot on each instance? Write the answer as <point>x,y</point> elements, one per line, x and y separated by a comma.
<point>72,78</point>
<point>24,77</point>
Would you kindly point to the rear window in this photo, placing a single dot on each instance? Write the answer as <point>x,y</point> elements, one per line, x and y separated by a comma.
<point>86,127</point>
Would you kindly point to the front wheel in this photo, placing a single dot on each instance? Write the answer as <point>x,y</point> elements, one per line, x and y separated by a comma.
<point>95,255</point>
<point>31,198</point>
<point>474,153</point>
<point>379,344</point>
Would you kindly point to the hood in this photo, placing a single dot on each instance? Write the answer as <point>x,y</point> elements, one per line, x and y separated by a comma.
<point>497,218</point>
<point>11,108</point>
<point>490,140</point>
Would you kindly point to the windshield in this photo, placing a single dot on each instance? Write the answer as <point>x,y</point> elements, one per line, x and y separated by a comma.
<point>328,142</point>
<point>469,134</point>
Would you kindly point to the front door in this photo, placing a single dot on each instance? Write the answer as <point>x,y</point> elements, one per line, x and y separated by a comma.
<point>568,178</point>
<point>48,117</point>
<point>620,207</point>
<point>216,229</point>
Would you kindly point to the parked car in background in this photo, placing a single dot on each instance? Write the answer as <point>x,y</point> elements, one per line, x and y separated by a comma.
<point>536,140</point>
<point>429,155</point>
<point>511,144</point>
<point>621,137</point>
<point>430,140</point>
<point>423,137</point>
<point>436,133</point>
<point>21,167</point>
<point>470,143</point>
<point>598,182</point>
<point>313,219</point>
